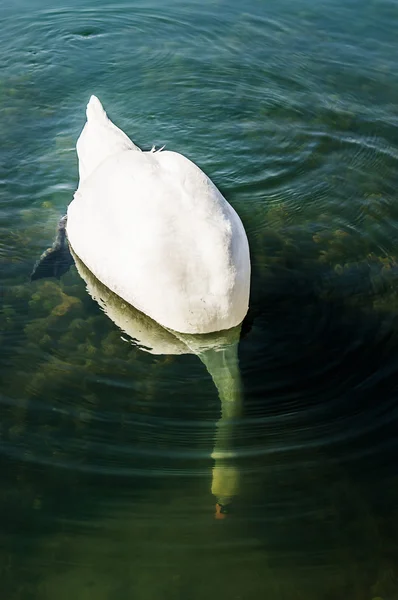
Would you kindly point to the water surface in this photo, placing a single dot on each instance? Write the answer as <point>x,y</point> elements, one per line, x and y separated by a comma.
<point>291,108</point>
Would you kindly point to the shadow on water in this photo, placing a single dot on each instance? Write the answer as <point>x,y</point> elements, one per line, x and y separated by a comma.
<point>320,429</point>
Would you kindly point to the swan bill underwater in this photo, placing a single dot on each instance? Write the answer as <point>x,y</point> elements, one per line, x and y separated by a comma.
<point>154,229</point>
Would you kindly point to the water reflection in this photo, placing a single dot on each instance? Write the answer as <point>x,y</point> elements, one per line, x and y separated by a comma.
<point>217,351</point>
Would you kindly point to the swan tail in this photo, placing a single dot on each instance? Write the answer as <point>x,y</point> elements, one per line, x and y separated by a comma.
<point>95,111</point>
<point>99,139</point>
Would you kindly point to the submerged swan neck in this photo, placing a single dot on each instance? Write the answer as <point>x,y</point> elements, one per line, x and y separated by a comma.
<point>223,366</point>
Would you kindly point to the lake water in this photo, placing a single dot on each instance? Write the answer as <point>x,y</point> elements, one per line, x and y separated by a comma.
<point>291,107</point>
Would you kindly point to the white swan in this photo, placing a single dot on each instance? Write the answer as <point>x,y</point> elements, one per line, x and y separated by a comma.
<point>154,229</point>
<point>157,233</point>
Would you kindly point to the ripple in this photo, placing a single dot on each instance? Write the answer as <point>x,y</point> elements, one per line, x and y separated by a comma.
<point>300,130</point>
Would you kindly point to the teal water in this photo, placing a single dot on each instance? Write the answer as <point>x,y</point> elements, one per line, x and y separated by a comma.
<point>106,468</point>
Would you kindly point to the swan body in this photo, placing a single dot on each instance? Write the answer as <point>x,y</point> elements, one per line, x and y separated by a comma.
<point>154,229</point>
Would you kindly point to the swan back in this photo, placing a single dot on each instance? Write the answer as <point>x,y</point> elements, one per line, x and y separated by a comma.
<point>153,228</point>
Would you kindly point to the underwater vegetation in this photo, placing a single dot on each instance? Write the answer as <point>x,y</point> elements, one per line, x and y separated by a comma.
<point>106,449</point>
<point>71,385</point>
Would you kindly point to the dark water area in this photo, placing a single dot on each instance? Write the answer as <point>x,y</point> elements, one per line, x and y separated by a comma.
<point>105,448</point>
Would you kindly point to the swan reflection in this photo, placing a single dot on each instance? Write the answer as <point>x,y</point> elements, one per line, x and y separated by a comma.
<point>217,351</point>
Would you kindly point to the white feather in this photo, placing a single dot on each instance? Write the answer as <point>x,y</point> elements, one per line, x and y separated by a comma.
<point>154,229</point>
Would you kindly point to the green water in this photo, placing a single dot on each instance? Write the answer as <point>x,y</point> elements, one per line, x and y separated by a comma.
<point>105,449</point>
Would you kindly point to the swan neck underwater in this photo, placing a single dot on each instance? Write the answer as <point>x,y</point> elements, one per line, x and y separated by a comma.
<point>219,354</point>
